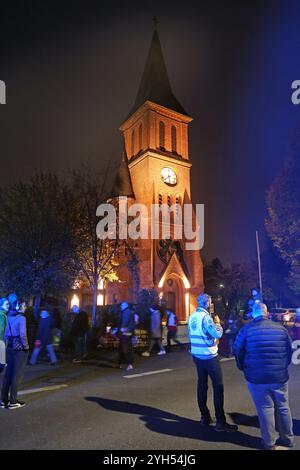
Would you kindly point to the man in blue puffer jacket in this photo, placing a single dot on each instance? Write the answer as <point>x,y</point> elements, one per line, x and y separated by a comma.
<point>263,351</point>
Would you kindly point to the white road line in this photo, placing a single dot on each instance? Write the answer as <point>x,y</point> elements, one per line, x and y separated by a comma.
<point>227,359</point>
<point>133,376</point>
<point>42,389</point>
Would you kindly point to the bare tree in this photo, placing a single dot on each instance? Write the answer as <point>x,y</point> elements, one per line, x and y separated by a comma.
<point>36,256</point>
<point>97,259</point>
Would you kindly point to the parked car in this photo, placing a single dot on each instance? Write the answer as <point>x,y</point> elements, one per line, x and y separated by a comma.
<point>283,315</point>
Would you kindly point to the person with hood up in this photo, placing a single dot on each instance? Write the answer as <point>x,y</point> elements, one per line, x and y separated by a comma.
<point>4,307</point>
<point>16,355</point>
<point>155,332</point>
<point>44,338</point>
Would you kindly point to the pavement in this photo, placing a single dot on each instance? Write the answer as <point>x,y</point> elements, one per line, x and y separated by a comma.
<point>98,406</point>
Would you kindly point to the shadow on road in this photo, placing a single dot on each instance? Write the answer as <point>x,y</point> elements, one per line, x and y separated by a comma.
<point>252,421</point>
<point>163,422</point>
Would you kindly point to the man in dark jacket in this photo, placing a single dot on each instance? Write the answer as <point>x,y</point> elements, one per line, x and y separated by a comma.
<point>263,351</point>
<point>79,331</point>
<point>44,338</point>
<point>125,336</point>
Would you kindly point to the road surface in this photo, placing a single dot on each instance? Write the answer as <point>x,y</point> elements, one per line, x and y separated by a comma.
<point>153,407</point>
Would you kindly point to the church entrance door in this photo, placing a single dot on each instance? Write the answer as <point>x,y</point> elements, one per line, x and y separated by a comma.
<point>173,293</point>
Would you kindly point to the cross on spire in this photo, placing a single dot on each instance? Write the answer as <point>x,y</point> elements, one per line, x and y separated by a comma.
<point>155,21</point>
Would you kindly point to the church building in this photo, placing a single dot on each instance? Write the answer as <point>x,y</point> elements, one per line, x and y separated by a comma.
<point>155,169</point>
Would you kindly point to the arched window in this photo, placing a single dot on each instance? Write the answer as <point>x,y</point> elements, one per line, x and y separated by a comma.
<point>140,137</point>
<point>169,200</point>
<point>174,139</point>
<point>132,143</point>
<point>161,135</point>
<point>160,199</point>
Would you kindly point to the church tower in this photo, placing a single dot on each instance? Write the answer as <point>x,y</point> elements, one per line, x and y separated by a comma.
<point>156,146</point>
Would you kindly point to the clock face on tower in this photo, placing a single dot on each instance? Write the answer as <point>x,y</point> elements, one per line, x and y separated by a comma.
<point>169,176</point>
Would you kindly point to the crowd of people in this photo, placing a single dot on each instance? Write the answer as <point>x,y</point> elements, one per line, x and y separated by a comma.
<point>130,321</point>
<point>14,344</point>
<point>263,351</point>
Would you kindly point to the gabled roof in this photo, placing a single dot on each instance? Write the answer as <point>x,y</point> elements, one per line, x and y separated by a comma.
<point>174,267</point>
<point>122,185</point>
<point>155,84</point>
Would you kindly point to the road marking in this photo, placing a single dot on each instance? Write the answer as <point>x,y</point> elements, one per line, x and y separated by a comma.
<point>227,359</point>
<point>133,376</point>
<point>42,389</point>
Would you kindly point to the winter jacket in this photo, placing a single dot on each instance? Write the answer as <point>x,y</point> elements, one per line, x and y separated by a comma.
<point>128,323</point>
<point>203,333</point>
<point>45,328</point>
<point>3,321</point>
<point>263,351</point>
<point>16,326</point>
<point>80,324</point>
<point>155,324</point>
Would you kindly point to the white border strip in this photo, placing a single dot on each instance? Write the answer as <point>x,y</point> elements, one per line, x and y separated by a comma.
<point>42,389</point>
<point>133,376</point>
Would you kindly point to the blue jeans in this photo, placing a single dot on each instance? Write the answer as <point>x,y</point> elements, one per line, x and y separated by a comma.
<point>14,371</point>
<point>36,352</point>
<point>272,405</point>
<point>210,368</point>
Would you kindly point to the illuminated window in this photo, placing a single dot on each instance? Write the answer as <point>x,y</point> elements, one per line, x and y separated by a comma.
<point>161,135</point>
<point>174,139</point>
<point>101,284</point>
<point>132,143</point>
<point>141,137</point>
<point>100,299</point>
<point>75,301</point>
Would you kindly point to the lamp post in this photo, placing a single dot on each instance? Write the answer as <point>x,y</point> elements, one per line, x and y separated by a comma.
<point>259,264</point>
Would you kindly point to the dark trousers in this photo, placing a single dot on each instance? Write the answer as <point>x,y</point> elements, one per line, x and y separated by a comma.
<point>210,368</point>
<point>125,349</point>
<point>80,346</point>
<point>172,335</point>
<point>14,372</point>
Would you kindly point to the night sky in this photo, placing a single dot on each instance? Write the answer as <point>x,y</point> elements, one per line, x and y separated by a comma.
<point>72,71</point>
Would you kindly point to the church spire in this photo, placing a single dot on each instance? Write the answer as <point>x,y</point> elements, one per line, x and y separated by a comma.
<point>122,185</point>
<point>155,84</point>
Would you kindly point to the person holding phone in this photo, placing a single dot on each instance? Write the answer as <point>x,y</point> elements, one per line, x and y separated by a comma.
<point>204,334</point>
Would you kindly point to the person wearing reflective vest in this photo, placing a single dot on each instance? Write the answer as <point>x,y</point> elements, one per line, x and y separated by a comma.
<point>204,334</point>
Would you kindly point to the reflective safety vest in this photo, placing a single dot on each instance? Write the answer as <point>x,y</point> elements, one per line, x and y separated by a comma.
<point>202,344</point>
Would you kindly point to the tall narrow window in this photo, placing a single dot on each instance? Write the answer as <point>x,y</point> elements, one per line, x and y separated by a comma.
<point>174,139</point>
<point>160,199</point>
<point>141,137</point>
<point>177,202</point>
<point>132,143</point>
<point>169,200</point>
<point>161,135</point>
